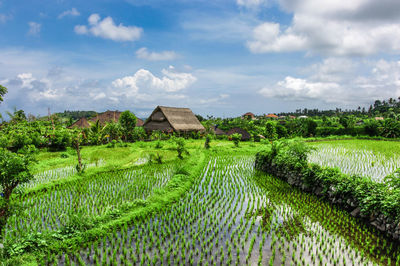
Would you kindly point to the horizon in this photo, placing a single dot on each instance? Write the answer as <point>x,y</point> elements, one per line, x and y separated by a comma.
<point>220,58</point>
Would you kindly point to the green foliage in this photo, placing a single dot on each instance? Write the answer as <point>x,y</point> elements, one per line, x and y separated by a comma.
<point>138,134</point>
<point>372,128</point>
<point>270,130</point>
<point>59,140</point>
<point>180,146</point>
<point>3,91</point>
<point>127,120</point>
<point>14,171</point>
<point>112,131</point>
<point>157,158</point>
<point>236,137</point>
<point>112,144</point>
<point>207,142</point>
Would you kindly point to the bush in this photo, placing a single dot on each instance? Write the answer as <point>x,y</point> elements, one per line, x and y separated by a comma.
<point>138,133</point>
<point>236,137</point>
<point>59,140</point>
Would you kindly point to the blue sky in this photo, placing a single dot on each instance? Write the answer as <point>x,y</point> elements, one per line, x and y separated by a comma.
<point>220,58</point>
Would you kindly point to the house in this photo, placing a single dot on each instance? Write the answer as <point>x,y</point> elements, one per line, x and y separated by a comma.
<point>104,118</point>
<point>249,115</point>
<point>271,116</point>
<point>173,119</point>
<point>245,135</point>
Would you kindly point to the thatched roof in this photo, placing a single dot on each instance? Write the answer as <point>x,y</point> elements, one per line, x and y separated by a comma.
<point>81,123</point>
<point>173,118</point>
<point>218,131</point>
<point>245,135</point>
<point>139,122</point>
<point>106,117</point>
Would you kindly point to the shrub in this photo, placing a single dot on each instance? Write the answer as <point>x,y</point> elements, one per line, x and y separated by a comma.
<point>59,140</point>
<point>236,137</point>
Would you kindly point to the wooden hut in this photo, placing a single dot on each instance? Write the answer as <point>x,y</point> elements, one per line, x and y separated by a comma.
<point>245,135</point>
<point>173,119</point>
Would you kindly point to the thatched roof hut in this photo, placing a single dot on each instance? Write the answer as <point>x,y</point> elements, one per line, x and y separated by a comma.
<point>81,123</point>
<point>245,135</point>
<point>106,117</point>
<point>112,117</point>
<point>173,119</point>
<point>218,131</point>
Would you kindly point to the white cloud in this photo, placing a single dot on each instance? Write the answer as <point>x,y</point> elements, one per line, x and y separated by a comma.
<point>143,81</point>
<point>143,53</point>
<point>34,28</point>
<point>107,29</point>
<point>73,13</point>
<point>332,27</point>
<point>333,82</point>
<point>250,3</point>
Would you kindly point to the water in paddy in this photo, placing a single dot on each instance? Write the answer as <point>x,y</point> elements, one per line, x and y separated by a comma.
<point>234,216</point>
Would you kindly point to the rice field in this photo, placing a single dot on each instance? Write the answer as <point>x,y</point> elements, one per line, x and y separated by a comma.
<point>364,162</point>
<point>95,196</point>
<point>56,174</point>
<point>235,216</point>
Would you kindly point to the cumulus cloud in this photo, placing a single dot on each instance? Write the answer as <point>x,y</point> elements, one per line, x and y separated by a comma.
<point>107,29</point>
<point>72,12</point>
<point>143,53</point>
<point>332,82</point>
<point>34,28</point>
<point>143,82</point>
<point>332,27</point>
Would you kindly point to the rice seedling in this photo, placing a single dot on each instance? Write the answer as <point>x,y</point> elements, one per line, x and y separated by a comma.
<point>231,209</point>
<point>362,162</point>
<point>72,204</point>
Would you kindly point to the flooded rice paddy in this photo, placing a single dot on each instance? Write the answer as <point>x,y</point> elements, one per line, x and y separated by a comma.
<point>235,216</point>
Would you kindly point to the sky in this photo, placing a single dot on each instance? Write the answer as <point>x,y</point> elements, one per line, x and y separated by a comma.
<point>221,58</point>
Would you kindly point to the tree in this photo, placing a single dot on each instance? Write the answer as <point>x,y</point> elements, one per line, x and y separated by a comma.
<point>14,170</point>
<point>3,91</point>
<point>127,120</point>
